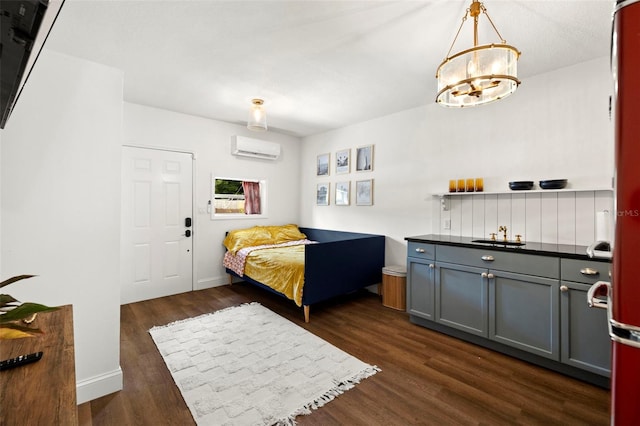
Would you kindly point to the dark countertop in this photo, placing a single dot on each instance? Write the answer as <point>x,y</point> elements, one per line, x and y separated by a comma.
<point>543,249</point>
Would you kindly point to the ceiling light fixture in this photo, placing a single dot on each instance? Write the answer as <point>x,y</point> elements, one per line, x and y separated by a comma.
<point>480,74</point>
<point>257,116</point>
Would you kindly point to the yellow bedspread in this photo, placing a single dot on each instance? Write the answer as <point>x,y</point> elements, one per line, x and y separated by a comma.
<point>281,268</point>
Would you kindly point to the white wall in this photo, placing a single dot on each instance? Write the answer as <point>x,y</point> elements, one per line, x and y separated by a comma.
<point>555,126</point>
<point>210,141</point>
<point>61,206</point>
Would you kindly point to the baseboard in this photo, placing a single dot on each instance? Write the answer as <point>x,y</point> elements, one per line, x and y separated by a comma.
<point>97,386</point>
<point>211,282</point>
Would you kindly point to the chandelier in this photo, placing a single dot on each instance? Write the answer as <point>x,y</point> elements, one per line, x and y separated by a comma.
<point>480,74</point>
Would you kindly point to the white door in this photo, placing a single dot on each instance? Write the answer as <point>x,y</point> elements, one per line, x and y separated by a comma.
<point>156,238</point>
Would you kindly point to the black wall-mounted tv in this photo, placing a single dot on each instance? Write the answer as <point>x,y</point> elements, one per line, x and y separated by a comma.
<point>21,21</point>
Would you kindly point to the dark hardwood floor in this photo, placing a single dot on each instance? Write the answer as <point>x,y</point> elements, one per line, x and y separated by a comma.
<point>427,378</point>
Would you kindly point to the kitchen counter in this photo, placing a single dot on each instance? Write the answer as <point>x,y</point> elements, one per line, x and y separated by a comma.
<point>543,249</point>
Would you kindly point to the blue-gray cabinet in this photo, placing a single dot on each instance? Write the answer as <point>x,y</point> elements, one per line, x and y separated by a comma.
<point>508,297</point>
<point>533,303</point>
<point>462,297</point>
<point>420,280</point>
<point>585,336</point>
<point>523,312</point>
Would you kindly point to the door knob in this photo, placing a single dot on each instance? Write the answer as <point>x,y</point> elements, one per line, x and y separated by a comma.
<point>187,233</point>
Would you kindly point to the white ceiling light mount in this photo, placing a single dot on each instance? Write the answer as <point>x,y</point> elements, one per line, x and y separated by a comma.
<point>480,74</point>
<point>257,116</point>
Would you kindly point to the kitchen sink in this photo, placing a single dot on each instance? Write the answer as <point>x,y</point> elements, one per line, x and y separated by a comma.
<point>499,243</point>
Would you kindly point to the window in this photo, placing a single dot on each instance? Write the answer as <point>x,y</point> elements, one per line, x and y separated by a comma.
<point>239,198</point>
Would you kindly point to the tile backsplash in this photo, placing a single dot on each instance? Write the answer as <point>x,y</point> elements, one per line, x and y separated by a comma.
<point>564,217</point>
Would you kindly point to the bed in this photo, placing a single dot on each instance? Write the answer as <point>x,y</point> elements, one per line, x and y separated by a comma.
<point>323,263</point>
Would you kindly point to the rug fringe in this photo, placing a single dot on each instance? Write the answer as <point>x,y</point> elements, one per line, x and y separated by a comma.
<point>328,396</point>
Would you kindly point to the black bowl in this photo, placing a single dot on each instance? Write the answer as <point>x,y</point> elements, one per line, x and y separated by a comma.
<point>521,185</point>
<point>553,184</point>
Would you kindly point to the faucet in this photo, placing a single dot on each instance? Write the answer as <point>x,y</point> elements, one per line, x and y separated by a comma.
<point>503,229</point>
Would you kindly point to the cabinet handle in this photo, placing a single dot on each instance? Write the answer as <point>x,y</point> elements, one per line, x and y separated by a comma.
<point>564,288</point>
<point>589,271</point>
<point>419,250</point>
<point>490,276</point>
<point>484,275</point>
<point>431,266</point>
<point>488,258</point>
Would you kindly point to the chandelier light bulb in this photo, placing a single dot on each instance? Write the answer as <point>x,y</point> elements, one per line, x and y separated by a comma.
<point>471,69</point>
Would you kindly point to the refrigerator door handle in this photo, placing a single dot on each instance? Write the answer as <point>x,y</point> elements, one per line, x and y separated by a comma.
<point>625,334</point>
<point>599,288</point>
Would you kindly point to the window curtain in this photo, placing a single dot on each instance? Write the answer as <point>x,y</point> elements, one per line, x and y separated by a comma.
<point>251,197</point>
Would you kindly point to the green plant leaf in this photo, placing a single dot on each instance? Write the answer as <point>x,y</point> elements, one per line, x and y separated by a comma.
<point>5,299</point>
<point>24,311</point>
<point>14,279</point>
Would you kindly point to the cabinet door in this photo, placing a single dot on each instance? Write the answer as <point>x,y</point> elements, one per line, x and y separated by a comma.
<point>420,288</point>
<point>524,312</point>
<point>585,336</point>
<point>461,297</point>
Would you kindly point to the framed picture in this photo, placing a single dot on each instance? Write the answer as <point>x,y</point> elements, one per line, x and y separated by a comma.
<point>364,192</point>
<point>322,194</point>
<point>342,193</point>
<point>342,161</point>
<point>323,165</point>
<point>364,158</point>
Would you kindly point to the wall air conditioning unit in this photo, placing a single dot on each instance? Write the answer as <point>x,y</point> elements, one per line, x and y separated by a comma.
<point>247,147</point>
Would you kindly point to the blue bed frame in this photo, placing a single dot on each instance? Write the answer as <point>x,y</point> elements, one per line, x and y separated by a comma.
<point>341,262</point>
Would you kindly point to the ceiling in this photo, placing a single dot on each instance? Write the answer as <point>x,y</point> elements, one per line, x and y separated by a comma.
<point>319,65</point>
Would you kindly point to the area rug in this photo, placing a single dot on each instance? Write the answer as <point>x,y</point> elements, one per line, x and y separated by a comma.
<point>246,365</point>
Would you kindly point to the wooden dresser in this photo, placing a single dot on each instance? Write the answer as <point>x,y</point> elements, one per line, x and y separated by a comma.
<point>43,392</point>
